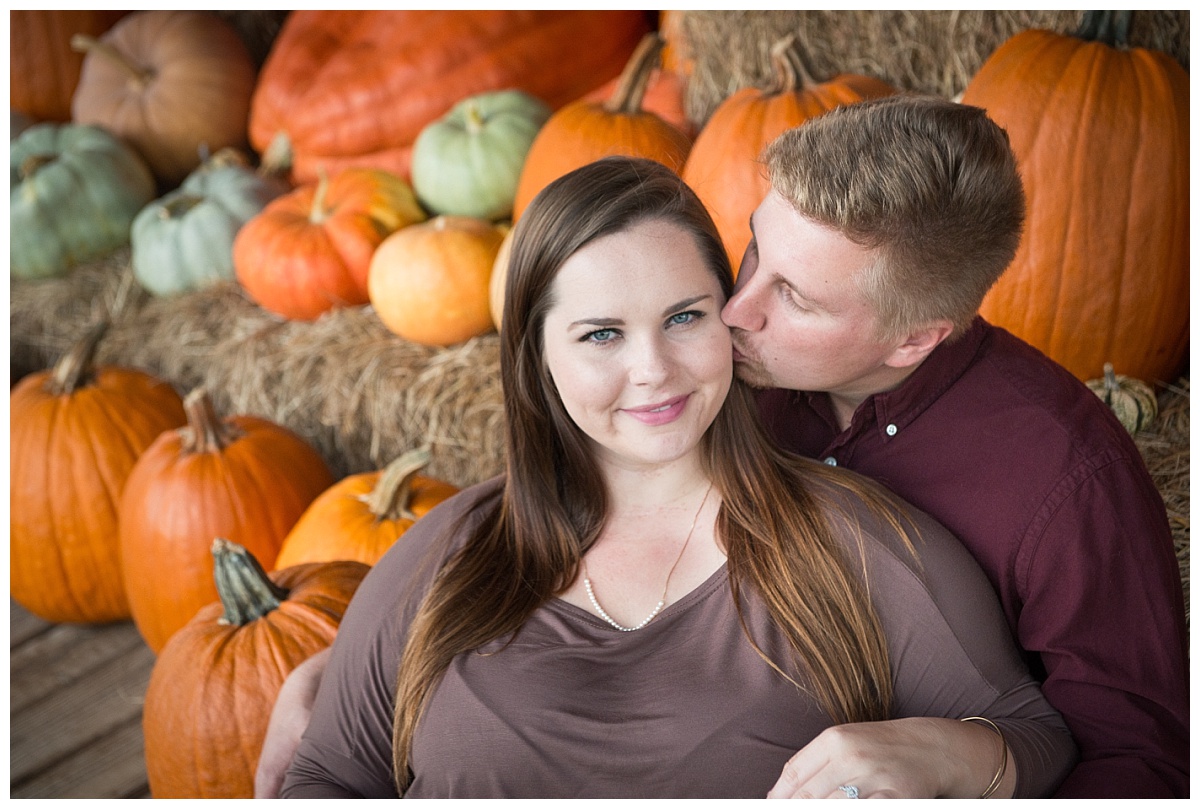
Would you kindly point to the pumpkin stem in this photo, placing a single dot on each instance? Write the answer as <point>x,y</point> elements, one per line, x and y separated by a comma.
<point>139,77</point>
<point>246,591</point>
<point>392,494</point>
<point>206,430</point>
<point>635,78</point>
<point>76,366</point>
<point>179,206</point>
<point>278,157</point>
<point>791,74</point>
<point>474,118</point>
<point>318,213</point>
<point>1107,27</point>
<point>1110,379</point>
<point>30,165</point>
<point>225,157</point>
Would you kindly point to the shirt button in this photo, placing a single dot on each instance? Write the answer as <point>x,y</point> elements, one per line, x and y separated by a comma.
<point>891,429</point>
<point>832,461</point>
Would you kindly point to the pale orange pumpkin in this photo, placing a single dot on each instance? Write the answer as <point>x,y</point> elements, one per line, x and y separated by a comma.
<point>363,515</point>
<point>429,282</point>
<point>309,250</point>
<point>723,168</point>
<point>76,432</point>
<point>587,130</point>
<point>499,279</point>
<point>242,477</point>
<point>175,85</point>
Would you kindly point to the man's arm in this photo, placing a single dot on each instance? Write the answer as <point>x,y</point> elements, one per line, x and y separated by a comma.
<point>289,718</point>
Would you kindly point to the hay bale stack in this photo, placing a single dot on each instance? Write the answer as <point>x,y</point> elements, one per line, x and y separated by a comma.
<point>358,393</point>
<point>923,51</point>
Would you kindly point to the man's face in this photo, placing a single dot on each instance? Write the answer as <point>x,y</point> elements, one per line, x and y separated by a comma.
<point>798,318</point>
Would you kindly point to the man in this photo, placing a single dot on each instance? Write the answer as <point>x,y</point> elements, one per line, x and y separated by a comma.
<point>856,312</point>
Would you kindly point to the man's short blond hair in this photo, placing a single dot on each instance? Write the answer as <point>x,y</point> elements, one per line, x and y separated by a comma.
<point>929,184</point>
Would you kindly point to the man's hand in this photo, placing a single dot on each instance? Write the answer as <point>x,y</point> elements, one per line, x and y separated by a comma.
<point>289,718</point>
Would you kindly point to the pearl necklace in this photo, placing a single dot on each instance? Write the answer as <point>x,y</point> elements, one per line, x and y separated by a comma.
<point>587,582</point>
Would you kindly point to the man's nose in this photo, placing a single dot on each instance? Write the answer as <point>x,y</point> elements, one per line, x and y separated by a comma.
<point>744,309</point>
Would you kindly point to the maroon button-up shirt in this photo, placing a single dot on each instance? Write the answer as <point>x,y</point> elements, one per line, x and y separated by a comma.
<point>1048,491</point>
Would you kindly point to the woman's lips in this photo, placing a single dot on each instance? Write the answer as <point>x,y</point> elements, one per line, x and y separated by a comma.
<point>658,414</point>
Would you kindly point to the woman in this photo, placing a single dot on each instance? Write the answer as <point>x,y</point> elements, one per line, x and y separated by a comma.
<point>653,601</point>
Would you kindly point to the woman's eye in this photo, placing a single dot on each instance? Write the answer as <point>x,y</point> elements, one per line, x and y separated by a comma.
<point>599,336</point>
<point>684,317</point>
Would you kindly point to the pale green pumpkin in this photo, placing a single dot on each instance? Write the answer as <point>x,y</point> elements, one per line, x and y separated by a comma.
<point>468,162</point>
<point>74,192</point>
<point>184,240</point>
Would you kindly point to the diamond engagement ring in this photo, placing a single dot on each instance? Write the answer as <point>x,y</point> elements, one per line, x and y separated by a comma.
<point>850,790</point>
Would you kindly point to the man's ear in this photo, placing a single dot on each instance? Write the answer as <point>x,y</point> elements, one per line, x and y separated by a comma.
<point>919,344</point>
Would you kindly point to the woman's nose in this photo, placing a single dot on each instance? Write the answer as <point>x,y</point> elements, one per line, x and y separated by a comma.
<point>650,363</point>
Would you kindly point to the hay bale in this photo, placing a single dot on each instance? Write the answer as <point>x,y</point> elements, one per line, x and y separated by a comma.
<point>922,51</point>
<point>358,393</point>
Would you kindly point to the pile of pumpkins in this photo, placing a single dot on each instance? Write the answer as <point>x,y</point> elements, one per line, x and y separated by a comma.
<point>381,158</point>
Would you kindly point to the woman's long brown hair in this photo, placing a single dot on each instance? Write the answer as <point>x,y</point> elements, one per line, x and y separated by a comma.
<point>527,546</point>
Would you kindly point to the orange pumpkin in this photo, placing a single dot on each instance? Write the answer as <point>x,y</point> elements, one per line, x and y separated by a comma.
<point>664,96</point>
<point>499,279</point>
<point>343,88</point>
<point>429,282</point>
<point>214,684</point>
<point>241,477</point>
<point>43,67</point>
<point>75,434</point>
<point>309,250</point>
<point>363,515</point>
<point>723,167</point>
<point>1102,138</point>
<point>588,130</point>
<point>175,84</point>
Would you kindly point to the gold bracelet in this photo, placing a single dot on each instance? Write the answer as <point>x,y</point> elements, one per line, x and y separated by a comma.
<point>995,783</point>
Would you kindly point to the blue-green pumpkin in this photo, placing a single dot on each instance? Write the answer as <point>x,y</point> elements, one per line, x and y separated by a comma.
<point>183,241</point>
<point>468,162</point>
<point>74,192</point>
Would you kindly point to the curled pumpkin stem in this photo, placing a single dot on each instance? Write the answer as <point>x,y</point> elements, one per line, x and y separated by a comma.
<point>635,78</point>
<point>206,430</point>
<point>391,496</point>
<point>246,591</point>
<point>77,366</point>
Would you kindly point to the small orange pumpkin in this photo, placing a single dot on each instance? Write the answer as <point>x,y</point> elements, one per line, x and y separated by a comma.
<point>723,167</point>
<point>241,477</point>
<point>588,130</point>
<point>429,282</point>
<point>76,433</point>
<point>214,684</point>
<point>363,515</point>
<point>309,250</point>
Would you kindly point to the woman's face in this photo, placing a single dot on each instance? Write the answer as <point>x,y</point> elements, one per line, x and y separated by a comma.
<point>635,344</point>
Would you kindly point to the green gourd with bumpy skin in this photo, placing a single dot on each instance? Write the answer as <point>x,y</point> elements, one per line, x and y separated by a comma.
<point>74,192</point>
<point>1131,399</point>
<point>468,162</point>
<point>183,241</point>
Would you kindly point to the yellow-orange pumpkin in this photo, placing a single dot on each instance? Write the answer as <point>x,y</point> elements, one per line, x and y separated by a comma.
<point>1101,134</point>
<point>499,279</point>
<point>242,477</point>
<point>429,282</point>
<point>214,684</point>
<point>588,130</point>
<point>75,433</point>
<point>363,515</point>
<point>723,167</point>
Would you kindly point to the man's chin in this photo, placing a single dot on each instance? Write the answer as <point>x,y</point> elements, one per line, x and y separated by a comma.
<point>753,375</point>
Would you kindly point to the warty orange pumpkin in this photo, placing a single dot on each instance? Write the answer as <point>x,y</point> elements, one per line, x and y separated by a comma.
<point>723,167</point>
<point>588,130</point>
<point>309,250</point>
<point>75,434</point>
<point>214,684</point>
<point>1102,138</point>
<point>242,477</point>
<point>343,88</point>
<point>363,515</point>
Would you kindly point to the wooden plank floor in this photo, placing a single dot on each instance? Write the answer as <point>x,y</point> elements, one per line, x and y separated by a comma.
<point>75,709</point>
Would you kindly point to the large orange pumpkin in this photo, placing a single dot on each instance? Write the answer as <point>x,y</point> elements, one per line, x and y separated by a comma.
<point>588,130</point>
<point>429,282</point>
<point>43,67</point>
<point>1101,134</point>
<point>363,515</point>
<point>242,477</point>
<point>75,433</point>
<point>346,88</point>
<point>214,684</point>
<point>723,167</point>
<point>309,251</point>
<point>175,84</point>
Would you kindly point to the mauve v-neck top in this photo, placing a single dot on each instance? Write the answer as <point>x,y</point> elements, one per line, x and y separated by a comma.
<point>573,708</point>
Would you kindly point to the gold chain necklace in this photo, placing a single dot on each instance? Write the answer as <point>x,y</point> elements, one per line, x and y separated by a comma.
<point>587,582</point>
